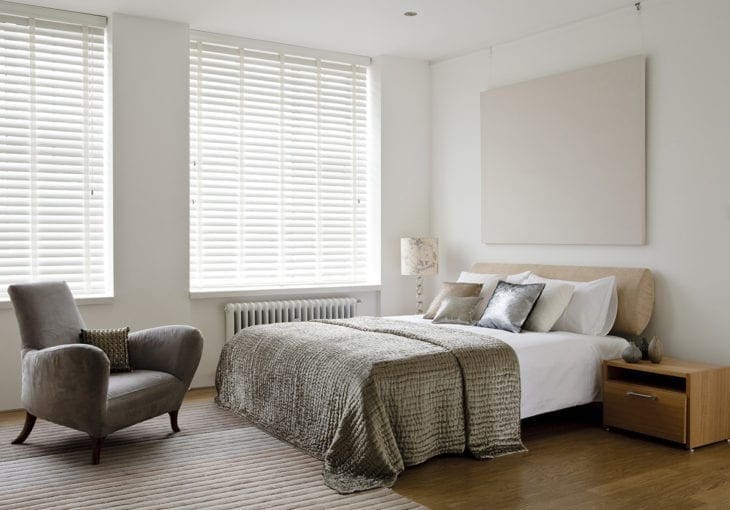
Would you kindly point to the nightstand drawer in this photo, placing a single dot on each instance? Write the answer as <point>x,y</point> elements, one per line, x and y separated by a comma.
<point>645,409</point>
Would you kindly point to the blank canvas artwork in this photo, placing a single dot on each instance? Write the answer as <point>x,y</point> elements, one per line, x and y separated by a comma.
<point>563,158</point>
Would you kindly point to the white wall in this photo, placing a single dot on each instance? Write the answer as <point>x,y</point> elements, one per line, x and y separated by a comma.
<point>688,130</point>
<point>150,120</point>
<point>405,174</point>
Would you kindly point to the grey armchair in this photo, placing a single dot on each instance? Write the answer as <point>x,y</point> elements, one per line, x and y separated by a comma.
<point>68,383</point>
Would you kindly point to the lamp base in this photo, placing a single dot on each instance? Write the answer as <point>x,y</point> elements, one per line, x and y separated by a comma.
<point>419,295</point>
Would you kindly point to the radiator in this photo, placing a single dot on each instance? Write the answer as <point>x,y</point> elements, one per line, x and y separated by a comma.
<point>243,315</point>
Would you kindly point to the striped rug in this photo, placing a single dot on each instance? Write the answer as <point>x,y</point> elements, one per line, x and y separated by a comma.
<point>218,461</point>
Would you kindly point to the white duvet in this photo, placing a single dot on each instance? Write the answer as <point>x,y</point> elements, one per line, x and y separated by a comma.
<point>557,369</point>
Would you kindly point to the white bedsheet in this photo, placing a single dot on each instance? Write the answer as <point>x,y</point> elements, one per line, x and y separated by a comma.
<point>557,369</point>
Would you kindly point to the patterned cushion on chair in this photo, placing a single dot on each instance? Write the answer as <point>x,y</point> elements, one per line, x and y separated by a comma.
<point>114,344</point>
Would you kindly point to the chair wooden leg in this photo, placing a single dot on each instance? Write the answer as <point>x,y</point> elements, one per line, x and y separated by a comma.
<point>96,452</point>
<point>27,428</point>
<point>173,421</point>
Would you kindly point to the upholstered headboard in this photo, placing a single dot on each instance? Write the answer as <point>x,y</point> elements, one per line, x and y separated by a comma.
<point>635,288</point>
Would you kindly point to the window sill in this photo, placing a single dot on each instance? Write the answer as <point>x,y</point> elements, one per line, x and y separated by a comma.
<point>100,300</point>
<point>284,291</point>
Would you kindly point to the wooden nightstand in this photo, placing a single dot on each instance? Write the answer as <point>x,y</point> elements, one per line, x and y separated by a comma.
<point>682,401</point>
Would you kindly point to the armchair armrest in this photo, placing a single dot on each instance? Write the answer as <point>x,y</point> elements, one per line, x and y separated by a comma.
<point>67,384</point>
<point>172,349</point>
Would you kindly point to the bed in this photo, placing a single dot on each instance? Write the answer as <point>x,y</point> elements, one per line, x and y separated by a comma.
<point>371,396</point>
<point>558,369</point>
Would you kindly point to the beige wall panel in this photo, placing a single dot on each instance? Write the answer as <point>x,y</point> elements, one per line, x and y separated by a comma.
<point>563,158</point>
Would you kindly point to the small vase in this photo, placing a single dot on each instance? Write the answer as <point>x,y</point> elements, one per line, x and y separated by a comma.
<point>656,350</point>
<point>631,354</point>
<point>644,346</point>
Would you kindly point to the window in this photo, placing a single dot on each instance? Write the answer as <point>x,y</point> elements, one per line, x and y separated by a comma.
<point>54,206</point>
<point>280,185</point>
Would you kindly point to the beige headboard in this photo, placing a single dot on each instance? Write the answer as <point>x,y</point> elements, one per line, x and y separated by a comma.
<point>635,288</point>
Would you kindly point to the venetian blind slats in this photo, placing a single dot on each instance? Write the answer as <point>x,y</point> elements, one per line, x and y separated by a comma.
<point>53,206</point>
<point>279,180</point>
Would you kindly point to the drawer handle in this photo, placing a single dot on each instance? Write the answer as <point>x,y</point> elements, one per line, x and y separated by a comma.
<point>640,395</point>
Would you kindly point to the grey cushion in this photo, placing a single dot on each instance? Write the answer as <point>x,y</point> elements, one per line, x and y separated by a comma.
<point>114,344</point>
<point>457,310</point>
<point>47,314</point>
<point>128,386</point>
<point>139,395</point>
<point>510,306</point>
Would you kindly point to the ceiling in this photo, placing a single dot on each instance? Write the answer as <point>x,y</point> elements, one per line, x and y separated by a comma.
<point>442,29</point>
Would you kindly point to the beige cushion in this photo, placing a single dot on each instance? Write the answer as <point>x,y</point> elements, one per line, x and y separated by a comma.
<point>489,283</point>
<point>457,310</point>
<point>452,289</point>
<point>550,306</point>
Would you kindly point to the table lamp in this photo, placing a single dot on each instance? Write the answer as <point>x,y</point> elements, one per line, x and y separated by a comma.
<point>419,256</point>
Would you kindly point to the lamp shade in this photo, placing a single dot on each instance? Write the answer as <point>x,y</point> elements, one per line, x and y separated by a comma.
<point>419,256</point>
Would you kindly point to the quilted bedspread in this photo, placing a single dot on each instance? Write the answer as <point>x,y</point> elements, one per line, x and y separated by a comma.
<point>369,396</point>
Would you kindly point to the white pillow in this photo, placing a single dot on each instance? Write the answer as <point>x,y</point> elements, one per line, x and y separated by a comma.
<point>518,278</point>
<point>489,283</point>
<point>592,308</point>
<point>467,277</point>
<point>550,306</point>
<point>612,312</point>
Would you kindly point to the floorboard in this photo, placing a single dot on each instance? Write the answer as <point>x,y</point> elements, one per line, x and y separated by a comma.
<point>572,462</point>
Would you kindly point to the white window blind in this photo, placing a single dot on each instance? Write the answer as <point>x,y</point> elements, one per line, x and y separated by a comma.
<point>53,184</point>
<point>280,185</point>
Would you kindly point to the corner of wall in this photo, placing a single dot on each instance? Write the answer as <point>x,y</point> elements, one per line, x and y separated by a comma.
<point>405,139</point>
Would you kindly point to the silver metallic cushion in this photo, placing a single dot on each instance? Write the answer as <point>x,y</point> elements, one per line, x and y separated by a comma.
<point>510,306</point>
<point>457,310</point>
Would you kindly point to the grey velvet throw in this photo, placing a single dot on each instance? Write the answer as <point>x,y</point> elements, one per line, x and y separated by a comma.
<point>370,396</point>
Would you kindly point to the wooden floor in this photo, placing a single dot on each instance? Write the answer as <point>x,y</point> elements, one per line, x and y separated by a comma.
<point>571,463</point>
